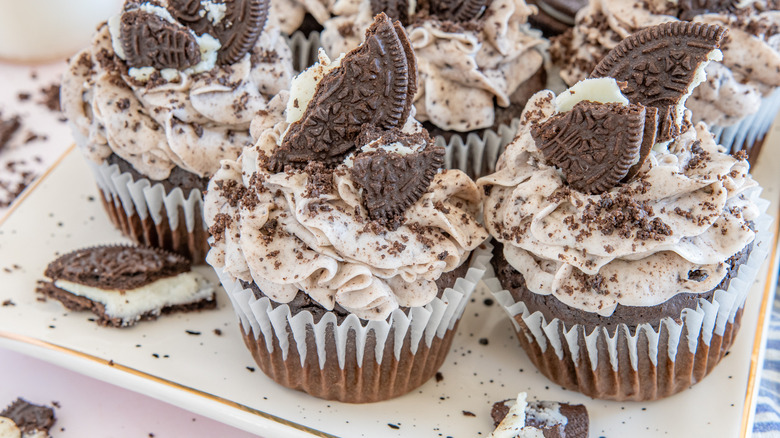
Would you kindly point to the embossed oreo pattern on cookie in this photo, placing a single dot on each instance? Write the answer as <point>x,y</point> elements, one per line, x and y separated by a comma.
<point>594,144</point>
<point>373,87</point>
<point>117,267</point>
<point>392,182</point>
<point>237,31</point>
<point>148,40</point>
<point>659,66</point>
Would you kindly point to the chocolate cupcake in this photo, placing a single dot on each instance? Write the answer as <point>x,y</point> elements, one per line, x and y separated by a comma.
<point>348,254</point>
<point>739,99</point>
<point>478,61</point>
<point>166,90</point>
<point>627,238</point>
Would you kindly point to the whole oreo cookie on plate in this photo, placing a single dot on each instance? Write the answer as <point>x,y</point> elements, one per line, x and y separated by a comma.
<point>126,284</point>
<point>341,218</point>
<point>739,98</point>
<point>22,419</point>
<point>165,91</point>
<point>621,227</point>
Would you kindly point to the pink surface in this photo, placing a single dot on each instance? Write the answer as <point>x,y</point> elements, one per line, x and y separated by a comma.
<point>91,408</point>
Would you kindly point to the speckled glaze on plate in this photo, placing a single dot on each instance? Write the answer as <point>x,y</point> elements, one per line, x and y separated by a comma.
<point>198,361</point>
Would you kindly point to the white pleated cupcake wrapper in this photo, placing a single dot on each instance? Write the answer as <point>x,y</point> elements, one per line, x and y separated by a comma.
<point>708,319</point>
<point>148,199</point>
<point>747,131</point>
<point>474,154</point>
<point>422,323</point>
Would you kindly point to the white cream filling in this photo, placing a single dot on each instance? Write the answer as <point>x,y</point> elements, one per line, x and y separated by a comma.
<point>129,305</point>
<point>303,86</point>
<point>215,12</point>
<point>602,90</point>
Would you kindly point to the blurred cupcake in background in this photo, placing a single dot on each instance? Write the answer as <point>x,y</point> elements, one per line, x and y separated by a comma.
<point>165,91</point>
<point>348,253</point>
<point>739,100</point>
<point>627,239</point>
<point>555,17</point>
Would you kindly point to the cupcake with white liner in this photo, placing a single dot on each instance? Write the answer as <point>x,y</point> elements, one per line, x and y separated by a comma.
<point>478,61</point>
<point>348,254</point>
<point>739,100</point>
<point>627,239</point>
<point>165,91</point>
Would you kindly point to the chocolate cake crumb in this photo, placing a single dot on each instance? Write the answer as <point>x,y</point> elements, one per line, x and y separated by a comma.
<point>8,303</point>
<point>218,332</point>
<point>468,414</point>
<point>8,127</point>
<point>221,222</point>
<point>439,376</point>
<point>483,341</point>
<point>51,97</point>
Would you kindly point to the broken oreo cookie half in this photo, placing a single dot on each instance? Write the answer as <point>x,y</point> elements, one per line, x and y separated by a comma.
<point>394,171</point>
<point>237,24</point>
<point>457,11</point>
<point>594,144</point>
<point>539,418</point>
<point>124,284</point>
<point>151,36</point>
<point>149,40</point>
<point>24,419</point>
<point>661,65</point>
<point>373,87</point>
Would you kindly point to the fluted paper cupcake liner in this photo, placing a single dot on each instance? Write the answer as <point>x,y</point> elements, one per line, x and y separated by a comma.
<point>644,363</point>
<point>304,49</point>
<point>749,133</point>
<point>353,361</point>
<point>148,214</point>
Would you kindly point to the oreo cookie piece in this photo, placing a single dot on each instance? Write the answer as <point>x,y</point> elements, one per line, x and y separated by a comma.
<point>237,26</point>
<point>149,40</point>
<point>458,10</point>
<point>691,8</point>
<point>594,144</point>
<point>126,284</point>
<point>395,173</point>
<point>395,9</point>
<point>373,87</point>
<point>546,418</point>
<point>661,65</point>
<point>555,16</point>
<point>23,418</point>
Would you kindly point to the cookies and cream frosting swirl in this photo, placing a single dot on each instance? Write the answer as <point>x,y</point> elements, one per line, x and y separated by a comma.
<point>670,230</point>
<point>309,228</point>
<point>160,119</point>
<point>749,71</point>
<point>463,67</point>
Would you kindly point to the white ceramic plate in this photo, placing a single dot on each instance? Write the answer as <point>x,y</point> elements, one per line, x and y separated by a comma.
<point>214,375</point>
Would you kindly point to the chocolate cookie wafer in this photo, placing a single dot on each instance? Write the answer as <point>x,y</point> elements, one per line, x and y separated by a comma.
<point>126,284</point>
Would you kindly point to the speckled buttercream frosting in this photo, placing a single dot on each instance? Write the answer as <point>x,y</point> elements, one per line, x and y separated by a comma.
<point>187,105</point>
<point>469,60</point>
<point>749,71</point>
